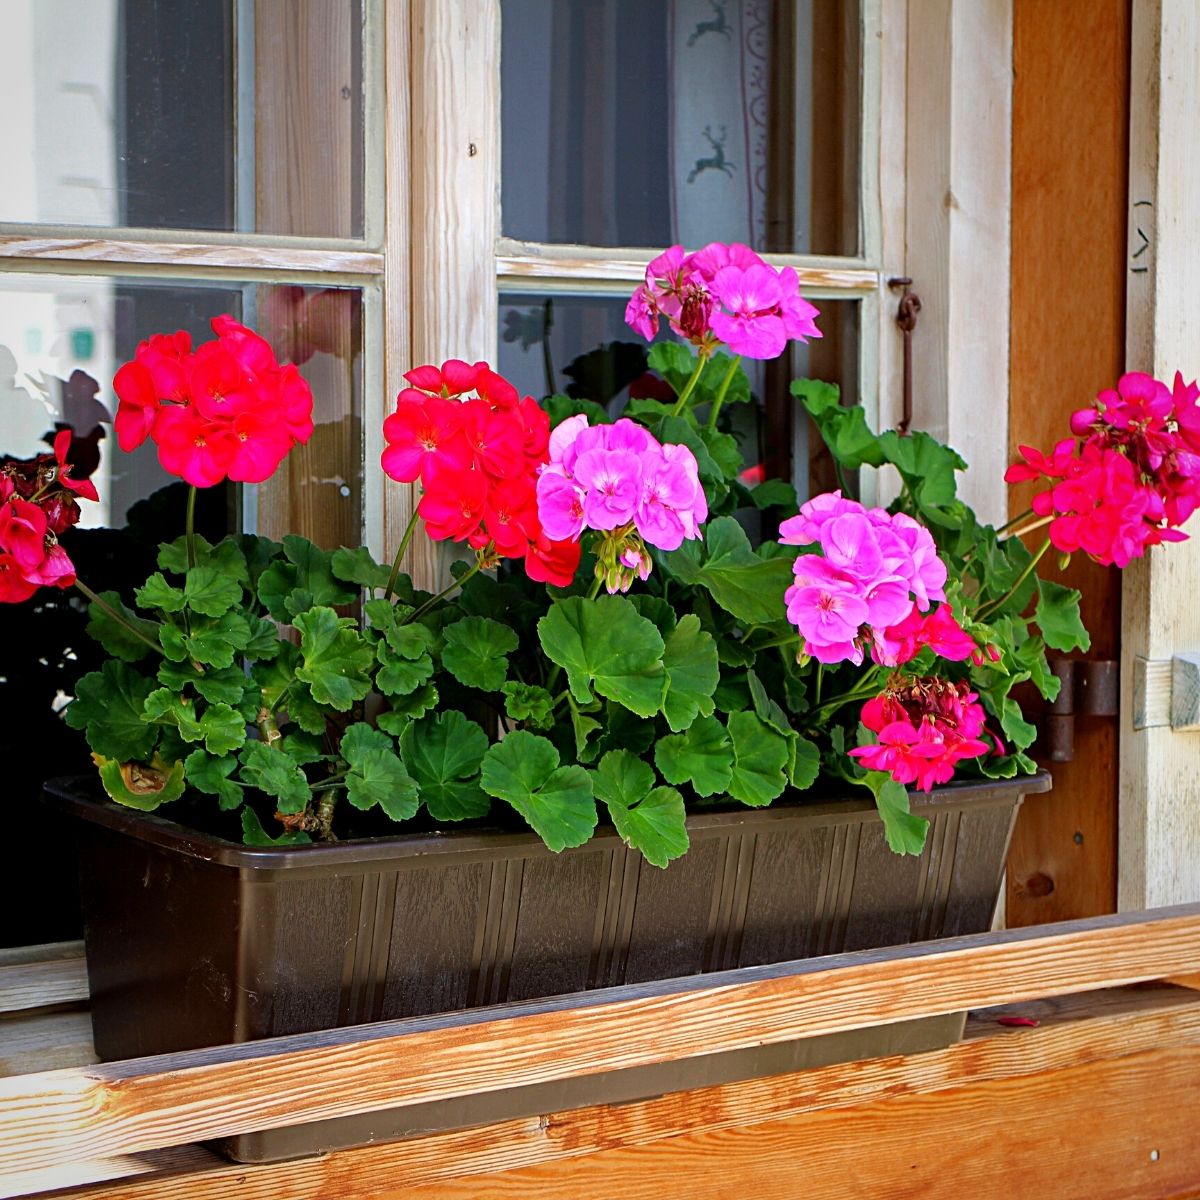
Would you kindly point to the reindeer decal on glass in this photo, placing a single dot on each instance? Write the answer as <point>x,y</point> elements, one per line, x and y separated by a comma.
<point>719,24</point>
<point>716,161</point>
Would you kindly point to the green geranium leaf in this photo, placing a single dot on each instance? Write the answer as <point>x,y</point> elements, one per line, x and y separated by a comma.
<point>583,726</point>
<point>263,641</point>
<point>208,592</point>
<point>657,826</point>
<point>927,467</point>
<point>905,832</point>
<point>303,581</point>
<point>170,637</point>
<point>529,703</point>
<point>357,566</point>
<point>655,609</point>
<point>108,707</point>
<point>702,757</point>
<point>226,557</point>
<point>115,637</point>
<point>411,641</point>
<point>221,728</point>
<point>622,730</point>
<point>272,771</point>
<point>443,754</point>
<point>675,362</point>
<point>649,819</point>
<point>136,785</point>
<point>408,708</point>
<point>556,801</point>
<point>774,493</point>
<point>690,658</point>
<point>843,429</point>
<point>211,775</point>
<point>156,592</point>
<point>215,643</point>
<point>303,748</point>
<point>743,584</point>
<point>559,407</point>
<point>1031,656</point>
<point>759,757</point>
<point>399,676</point>
<point>376,774</point>
<point>605,644</point>
<point>804,762</point>
<point>1019,731</point>
<point>476,652</point>
<point>336,659</point>
<point>622,779</point>
<point>224,686</point>
<point>253,834</point>
<point>1057,616</point>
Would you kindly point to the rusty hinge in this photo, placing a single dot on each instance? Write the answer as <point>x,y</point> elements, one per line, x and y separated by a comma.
<point>1091,687</point>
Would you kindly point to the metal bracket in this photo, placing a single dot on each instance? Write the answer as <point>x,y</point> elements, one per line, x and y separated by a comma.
<point>1166,691</point>
<point>1089,687</point>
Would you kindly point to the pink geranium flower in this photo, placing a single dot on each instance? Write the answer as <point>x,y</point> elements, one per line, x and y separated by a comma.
<point>752,327</point>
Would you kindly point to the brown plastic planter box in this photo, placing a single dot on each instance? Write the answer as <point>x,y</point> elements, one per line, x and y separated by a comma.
<point>195,941</point>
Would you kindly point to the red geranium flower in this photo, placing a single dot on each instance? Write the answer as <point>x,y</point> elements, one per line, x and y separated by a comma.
<point>453,504</point>
<point>552,562</point>
<point>424,434</point>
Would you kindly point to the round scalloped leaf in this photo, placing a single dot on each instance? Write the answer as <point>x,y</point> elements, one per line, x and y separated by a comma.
<point>656,825</point>
<point>690,658</point>
<point>556,801</point>
<point>443,754</point>
<point>476,652</point>
<point>605,644</point>
<point>759,757</point>
<point>336,658</point>
<point>701,757</point>
<point>108,707</point>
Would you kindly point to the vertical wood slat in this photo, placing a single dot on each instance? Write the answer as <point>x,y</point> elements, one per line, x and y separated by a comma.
<point>453,197</point>
<point>1070,126</point>
<point>959,109</point>
<point>1160,782</point>
<point>308,146</point>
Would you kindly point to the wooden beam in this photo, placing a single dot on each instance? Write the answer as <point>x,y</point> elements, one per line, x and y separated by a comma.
<point>203,1094</point>
<point>187,255</point>
<point>1159,859</point>
<point>42,984</point>
<point>981,1084</point>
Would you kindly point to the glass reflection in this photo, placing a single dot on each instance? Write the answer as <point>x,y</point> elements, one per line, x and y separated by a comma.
<point>635,124</point>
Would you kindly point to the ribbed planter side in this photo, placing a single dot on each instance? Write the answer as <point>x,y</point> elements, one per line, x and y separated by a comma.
<point>194,941</point>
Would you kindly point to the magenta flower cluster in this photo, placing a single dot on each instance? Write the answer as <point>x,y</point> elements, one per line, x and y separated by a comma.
<point>723,294</point>
<point>873,567</point>
<point>619,478</point>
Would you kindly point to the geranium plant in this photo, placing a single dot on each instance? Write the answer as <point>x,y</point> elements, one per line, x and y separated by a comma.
<point>614,645</point>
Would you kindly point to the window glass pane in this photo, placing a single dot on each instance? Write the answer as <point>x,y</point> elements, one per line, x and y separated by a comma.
<point>628,123</point>
<point>62,339</point>
<point>169,114</point>
<point>580,345</point>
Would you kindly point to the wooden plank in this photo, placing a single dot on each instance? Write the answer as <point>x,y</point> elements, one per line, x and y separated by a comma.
<point>959,93</point>
<point>154,1102</point>
<point>1068,342</point>
<point>186,255</point>
<point>454,93</point>
<point>1073,1033</point>
<point>631,271</point>
<point>46,952</point>
<point>1159,783</point>
<point>41,984</point>
<point>1121,1128</point>
<point>45,1042</point>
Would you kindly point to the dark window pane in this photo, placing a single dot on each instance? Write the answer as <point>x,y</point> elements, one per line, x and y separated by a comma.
<point>169,114</point>
<point>581,345</point>
<point>628,123</point>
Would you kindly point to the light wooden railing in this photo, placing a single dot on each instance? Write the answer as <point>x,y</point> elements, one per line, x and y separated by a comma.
<point>1094,1100</point>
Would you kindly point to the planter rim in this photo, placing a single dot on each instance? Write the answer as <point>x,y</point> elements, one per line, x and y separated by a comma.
<point>75,795</point>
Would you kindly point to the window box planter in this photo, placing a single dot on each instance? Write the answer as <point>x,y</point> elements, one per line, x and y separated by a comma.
<point>194,941</point>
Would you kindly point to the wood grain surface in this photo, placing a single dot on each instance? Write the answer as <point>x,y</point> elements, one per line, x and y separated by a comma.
<point>875,1119</point>
<point>149,1103</point>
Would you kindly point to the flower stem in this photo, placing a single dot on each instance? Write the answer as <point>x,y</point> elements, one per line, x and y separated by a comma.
<point>993,605</point>
<point>1031,527</point>
<point>190,527</point>
<point>1015,521</point>
<point>701,361</point>
<point>720,398</point>
<point>446,591</point>
<point>408,533</point>
<point>323,816</point>
<point>116,616</point>
<point>864,690</point>
<point>594,590</point>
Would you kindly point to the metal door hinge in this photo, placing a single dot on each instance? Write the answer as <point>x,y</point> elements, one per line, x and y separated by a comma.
<point>1089,687</point>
